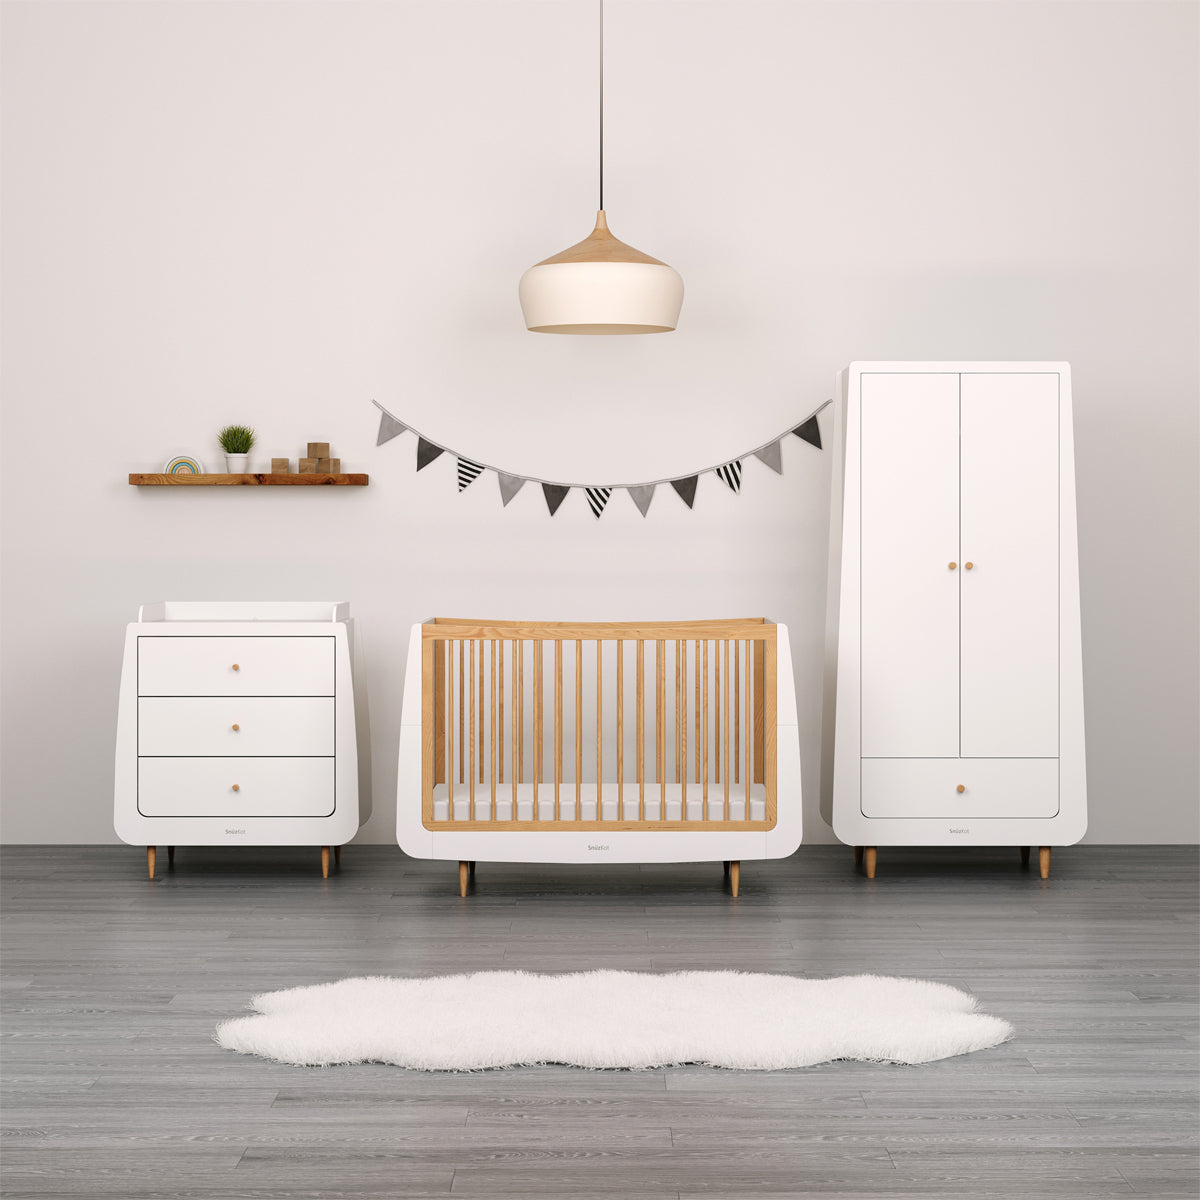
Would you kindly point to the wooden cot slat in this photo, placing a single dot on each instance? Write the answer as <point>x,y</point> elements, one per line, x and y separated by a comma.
<point>557,724</point>
<point>515,717</point>
<point>462,718</point>
<point>660,731</point>
<point>578,728</point>
<point>450,723</point>
<point>493,739</point>
<point>482,726</point>
<point>717,713</point>
<point>471,772</point>
<point>641,729</point>
<point>737,711</point>
<point>683,720</point>
<point>704,736</point>
<point>599,726</point>
<point>519,675</point>
<point>439,713</point>
<point>500,691</point>
<point>537,722</point>
<point>747,771</point>
<point>696,657</point>
<point>726,728</point>
<point>620,723</point>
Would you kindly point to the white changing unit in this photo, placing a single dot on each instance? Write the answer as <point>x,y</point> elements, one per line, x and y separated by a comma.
<point>954,634</point>
<point>236,726</point>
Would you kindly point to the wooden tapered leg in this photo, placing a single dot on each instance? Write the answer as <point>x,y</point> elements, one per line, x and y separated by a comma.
<point>735,875</point>
<point>870,857</point>
<point>858,856</point>
<point>324,862</point>
<point>1044,861</point>
<point>151,851</point>
<point>464,872</point>
<point>337,856</point>
<point>1025,857</point>
<point>170,856</point>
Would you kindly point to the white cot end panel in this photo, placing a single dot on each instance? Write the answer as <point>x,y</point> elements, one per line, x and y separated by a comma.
<point>990,788</point>
<point>1010,576</point>
<point>909,545</point>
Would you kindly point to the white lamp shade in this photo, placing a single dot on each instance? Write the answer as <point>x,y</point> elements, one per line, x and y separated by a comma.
<point>601,286</point>
<point>601,297</point>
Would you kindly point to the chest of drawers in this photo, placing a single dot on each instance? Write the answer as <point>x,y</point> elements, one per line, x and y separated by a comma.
<point>237,726</point>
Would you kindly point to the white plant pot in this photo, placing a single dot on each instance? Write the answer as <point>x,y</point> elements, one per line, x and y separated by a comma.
<point>235,464</point>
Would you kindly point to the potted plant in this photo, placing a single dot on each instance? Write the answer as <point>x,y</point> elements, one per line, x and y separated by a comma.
<point>236,441</point>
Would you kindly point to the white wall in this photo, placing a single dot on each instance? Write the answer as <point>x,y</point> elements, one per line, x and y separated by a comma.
<point>274,212</point>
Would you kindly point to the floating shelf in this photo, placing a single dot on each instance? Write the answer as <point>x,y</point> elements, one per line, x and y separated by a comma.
<point>260,479</point>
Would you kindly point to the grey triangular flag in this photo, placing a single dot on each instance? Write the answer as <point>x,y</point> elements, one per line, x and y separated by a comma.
<point>597,498</point>
<point>510,485</point>
<point>642,494</point>
<point>686,489</point>
<point>389,428</point>
<point>555,494</point>
<point>731,475</point>
<point>426,453</point>
<point>468,472</point>
<point>772,456</point>
<point>810,431</point>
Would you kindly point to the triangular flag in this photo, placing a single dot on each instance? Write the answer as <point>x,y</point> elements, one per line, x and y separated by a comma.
<point>468,472</point>
<point>686,489</point>
<point>555,494</point>
<point>597,498</point>
<point>731,475</point>
<point>389,428</point>
<point>510,485</point>
<point>426,453</point>
<point>642,494</point>
<point>772,456</point>
<point>810,431</point>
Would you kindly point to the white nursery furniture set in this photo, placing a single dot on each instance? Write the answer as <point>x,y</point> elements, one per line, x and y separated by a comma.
<point>953,694</point>
<point>236,726</point>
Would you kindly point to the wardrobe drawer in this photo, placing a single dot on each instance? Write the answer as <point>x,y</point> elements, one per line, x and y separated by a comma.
<point>235,725</point>
<point>235,666</point>
<point>235,787</point>
<point>929,787</point>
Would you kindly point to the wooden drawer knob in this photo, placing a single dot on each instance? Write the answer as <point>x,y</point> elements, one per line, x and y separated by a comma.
<point>968,565</point>
<point>236,667</point>
<point>953,565</point>
<point>961,787</point>
<point>237,787</point>
<point>236,728</point>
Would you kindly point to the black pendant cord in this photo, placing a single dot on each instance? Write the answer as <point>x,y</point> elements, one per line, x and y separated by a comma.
<point>601,105</point>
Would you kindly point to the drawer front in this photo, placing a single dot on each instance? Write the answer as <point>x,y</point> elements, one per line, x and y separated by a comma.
<point>928,787</point>
<point>235,666</point>
<point>266,787</point>
<point>235,725</point>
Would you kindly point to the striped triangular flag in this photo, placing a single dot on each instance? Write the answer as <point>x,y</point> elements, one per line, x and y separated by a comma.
<point>772,456</point>
<point>468,472</point>
<point>510,485</point>
<point>642,494</point>
<point>731,475</point>
<point>389,428</point>
<point>597,498</point>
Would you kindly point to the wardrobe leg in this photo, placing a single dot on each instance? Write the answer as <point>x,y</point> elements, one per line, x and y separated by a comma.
<point>1044,861</point>
<point>1025,857</point>
<point>337,856</point>
<point>170,856</point>
<point>870,861</point>
<point>324,862</point>
<point>464,872</point>
<point>858,857</point>
<point>150,853</point>
<point>735,875</point>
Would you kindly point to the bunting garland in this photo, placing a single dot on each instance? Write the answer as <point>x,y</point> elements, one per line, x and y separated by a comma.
<point>598,495</point>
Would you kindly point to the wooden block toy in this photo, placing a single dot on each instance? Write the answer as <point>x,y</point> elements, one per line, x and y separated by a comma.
<point>281,466</point>
<point>322,466</point>
<point>318,449</point>
<point>308,466</point>
<point>329,466</point>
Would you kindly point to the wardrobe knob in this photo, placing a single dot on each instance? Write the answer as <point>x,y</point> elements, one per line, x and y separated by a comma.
<point>968,565</point>
<point>236,728</point>
<point>236,667</point>
<point>237,787</point>
<point>953,565</point>
<point>961,787</point>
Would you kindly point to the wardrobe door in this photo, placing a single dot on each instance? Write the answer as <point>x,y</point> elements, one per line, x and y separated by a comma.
<point>909,548</point>
<point>1009,582</point>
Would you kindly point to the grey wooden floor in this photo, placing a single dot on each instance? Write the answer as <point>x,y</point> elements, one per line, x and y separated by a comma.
<point>113,1086</point>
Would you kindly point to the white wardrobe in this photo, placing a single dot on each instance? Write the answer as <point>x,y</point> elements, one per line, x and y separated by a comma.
<point>954,702</point>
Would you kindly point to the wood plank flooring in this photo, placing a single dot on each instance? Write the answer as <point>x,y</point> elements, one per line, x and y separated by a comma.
<point>113,1086</point>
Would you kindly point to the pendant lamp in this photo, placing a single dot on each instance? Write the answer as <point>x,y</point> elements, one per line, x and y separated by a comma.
<point>601,285</point>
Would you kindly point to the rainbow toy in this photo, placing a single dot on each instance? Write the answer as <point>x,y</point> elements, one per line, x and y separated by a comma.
<point>182,464</point>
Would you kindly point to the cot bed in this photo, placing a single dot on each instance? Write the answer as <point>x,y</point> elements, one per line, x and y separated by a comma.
<point>662,741</point>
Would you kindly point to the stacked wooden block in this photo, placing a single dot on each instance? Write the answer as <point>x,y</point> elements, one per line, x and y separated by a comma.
<point>318,462</point>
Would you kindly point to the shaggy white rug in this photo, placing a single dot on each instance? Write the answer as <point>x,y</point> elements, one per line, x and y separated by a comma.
<point>613,1019</point>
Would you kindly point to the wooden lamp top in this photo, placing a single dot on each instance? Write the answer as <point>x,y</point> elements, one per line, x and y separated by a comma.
<point>600,246</point>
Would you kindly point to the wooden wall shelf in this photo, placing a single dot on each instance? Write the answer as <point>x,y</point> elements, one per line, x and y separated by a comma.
<point>260,479</point>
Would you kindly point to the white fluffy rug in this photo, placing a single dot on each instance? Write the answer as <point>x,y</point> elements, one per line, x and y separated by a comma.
<point>613,1019</point>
